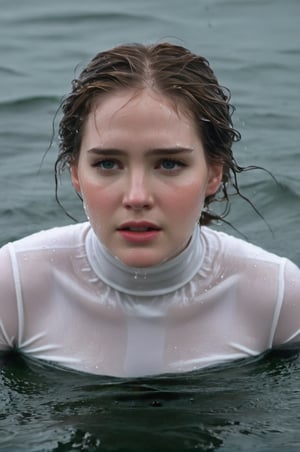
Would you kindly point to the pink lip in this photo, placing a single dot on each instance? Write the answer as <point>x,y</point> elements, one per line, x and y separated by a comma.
<point>139,236</point>
<point>138,224</point>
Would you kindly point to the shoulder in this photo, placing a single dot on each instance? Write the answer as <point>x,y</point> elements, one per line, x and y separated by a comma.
<point>264,284</point>
<point>259,271</point>
<point>256,271</point>
<point>45,250</point>
<point>232,249</point>
<point>63,237</point>
<point>33,262</point>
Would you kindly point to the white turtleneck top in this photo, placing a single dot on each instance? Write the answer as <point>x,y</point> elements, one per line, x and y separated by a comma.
<point>65,299</point>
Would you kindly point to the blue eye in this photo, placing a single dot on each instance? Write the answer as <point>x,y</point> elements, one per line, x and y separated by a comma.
<point>169,164</point>
<point>107,164</point>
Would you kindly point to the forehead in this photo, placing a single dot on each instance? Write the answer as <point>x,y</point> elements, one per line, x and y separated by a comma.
<point>138,106</point>
<point>119,99</point>
<point>139,120</point>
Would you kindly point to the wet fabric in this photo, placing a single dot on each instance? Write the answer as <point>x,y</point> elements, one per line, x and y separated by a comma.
<point>63,300</point>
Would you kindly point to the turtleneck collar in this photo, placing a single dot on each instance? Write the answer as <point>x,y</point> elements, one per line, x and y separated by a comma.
<point>147,281</point>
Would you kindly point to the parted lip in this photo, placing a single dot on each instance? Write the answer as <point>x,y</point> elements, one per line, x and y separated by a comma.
<point>138,224</point>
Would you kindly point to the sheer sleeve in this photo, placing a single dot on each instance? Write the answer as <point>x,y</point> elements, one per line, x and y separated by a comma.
<point>288,326</point>
<point>8,301</point>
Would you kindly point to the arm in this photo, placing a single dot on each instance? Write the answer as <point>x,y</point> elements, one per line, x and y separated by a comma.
<point>288,326</point>
<point>8,302</point>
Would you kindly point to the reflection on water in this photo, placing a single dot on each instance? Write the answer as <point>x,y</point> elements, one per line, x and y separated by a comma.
<point>251,404</point>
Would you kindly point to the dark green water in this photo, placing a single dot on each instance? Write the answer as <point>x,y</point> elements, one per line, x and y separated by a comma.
<point>254,47</point>
<point>252,405</point>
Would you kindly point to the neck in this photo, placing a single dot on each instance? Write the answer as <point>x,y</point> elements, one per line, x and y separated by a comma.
<point>147,281</point>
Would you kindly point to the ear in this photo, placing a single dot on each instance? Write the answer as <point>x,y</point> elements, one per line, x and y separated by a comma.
<point>74,176</point>
<point>215,174</point>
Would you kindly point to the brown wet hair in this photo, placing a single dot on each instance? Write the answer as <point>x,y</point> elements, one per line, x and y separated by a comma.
<point>175,72</point>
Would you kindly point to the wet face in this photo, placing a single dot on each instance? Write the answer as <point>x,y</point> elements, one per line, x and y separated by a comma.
<point>143,176</point>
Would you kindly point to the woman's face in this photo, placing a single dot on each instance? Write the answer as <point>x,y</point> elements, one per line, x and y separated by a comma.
<point>143,176</point>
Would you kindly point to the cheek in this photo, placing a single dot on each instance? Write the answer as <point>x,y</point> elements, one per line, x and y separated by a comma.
<point>188,199</point>
<point>98,200</point>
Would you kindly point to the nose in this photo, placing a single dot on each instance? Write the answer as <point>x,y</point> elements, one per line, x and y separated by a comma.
<point>137,194</point>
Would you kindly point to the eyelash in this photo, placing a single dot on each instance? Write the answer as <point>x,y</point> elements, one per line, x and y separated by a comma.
<point>178,163</point>
<point>101,162</point>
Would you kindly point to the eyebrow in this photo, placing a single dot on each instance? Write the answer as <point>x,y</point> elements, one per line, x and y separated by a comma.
<point>158,151</point>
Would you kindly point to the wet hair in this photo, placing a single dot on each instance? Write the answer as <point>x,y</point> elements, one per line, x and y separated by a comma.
<point>175,72</point>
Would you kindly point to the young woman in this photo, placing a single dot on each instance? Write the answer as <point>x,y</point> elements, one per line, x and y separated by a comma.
<point>144,286</point>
